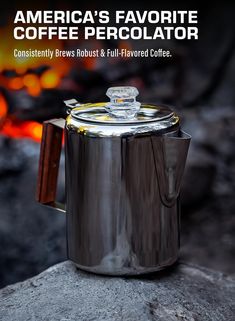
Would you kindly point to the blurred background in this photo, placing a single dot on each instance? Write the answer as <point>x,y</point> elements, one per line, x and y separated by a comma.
<point>198,81</point>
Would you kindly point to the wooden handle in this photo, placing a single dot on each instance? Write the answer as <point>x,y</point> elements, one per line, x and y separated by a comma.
<point>49,160</point>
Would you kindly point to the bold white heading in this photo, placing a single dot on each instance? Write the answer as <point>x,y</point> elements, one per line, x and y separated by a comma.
<point>124,25</point>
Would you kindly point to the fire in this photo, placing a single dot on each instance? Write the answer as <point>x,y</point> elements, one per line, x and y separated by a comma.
<point>3,107</point>
<point>32,84</point>
<point>15,128</point>
<point>30,74</point>
<point>26,75</point>
<point>50,79</point>
<point>26,129</point>
<point>16,83</point>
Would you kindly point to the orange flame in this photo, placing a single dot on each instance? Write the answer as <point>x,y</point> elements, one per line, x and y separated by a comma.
<point>28,77</point>
<point>50,79</point>
<point>3,107</point>
<point>32,84</point>
<point>59,66</point>
<point>26,129</point>
<point>18,129</point>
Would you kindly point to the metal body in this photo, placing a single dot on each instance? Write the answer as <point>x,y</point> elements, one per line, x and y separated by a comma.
<point>124,165</point>
<point>117,222</point>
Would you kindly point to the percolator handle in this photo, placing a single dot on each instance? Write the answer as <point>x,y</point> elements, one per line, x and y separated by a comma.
<point>49,161</point>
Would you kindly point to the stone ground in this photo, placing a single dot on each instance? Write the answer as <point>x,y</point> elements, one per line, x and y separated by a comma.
<point>62,293</point>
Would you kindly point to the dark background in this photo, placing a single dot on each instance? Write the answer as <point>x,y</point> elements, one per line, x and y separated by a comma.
<point>198,81</point>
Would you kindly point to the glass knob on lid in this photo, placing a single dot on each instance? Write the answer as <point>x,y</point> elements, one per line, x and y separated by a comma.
<point>123,102</point>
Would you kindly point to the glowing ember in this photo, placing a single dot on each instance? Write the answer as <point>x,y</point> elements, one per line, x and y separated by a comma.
<point>32,74</point>
<point>58,66</point>
<point>32,84</point>
<point>15,128</point>
<point>16,83</point>
<point>3,107</point>
<point>27,78</point>
<point>28,129</point>
<point>50,79</point>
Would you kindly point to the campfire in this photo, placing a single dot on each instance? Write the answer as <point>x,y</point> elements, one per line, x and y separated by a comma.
<point>32,89</point>
<point>24,81</point>
<point>28,76</point>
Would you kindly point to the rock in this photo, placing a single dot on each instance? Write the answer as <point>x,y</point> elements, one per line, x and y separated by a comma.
<point>32,236</point>
<point>12,159</point>
<point>185,292</point>
<point>211,155</point>
<point>206,62</point>
<point>200,173</point>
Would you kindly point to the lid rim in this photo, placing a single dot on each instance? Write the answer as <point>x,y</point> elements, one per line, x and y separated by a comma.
<point>100,108</point>
<point>121,123</point>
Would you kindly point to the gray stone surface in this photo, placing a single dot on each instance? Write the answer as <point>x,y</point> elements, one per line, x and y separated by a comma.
<point>62,293</point>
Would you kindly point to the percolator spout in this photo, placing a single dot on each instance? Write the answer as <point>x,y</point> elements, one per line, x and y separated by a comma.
<point>170,153</point>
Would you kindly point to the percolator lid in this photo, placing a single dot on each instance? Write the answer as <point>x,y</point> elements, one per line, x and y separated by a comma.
<point>121,115</point>
<point>122,109</point>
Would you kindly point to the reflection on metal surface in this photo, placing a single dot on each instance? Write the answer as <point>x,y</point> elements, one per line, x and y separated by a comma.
<point>124,165</point>
<point>122,116</point>
<point>92,120</point>
<point>170,153</point>
<point>117,222</point>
